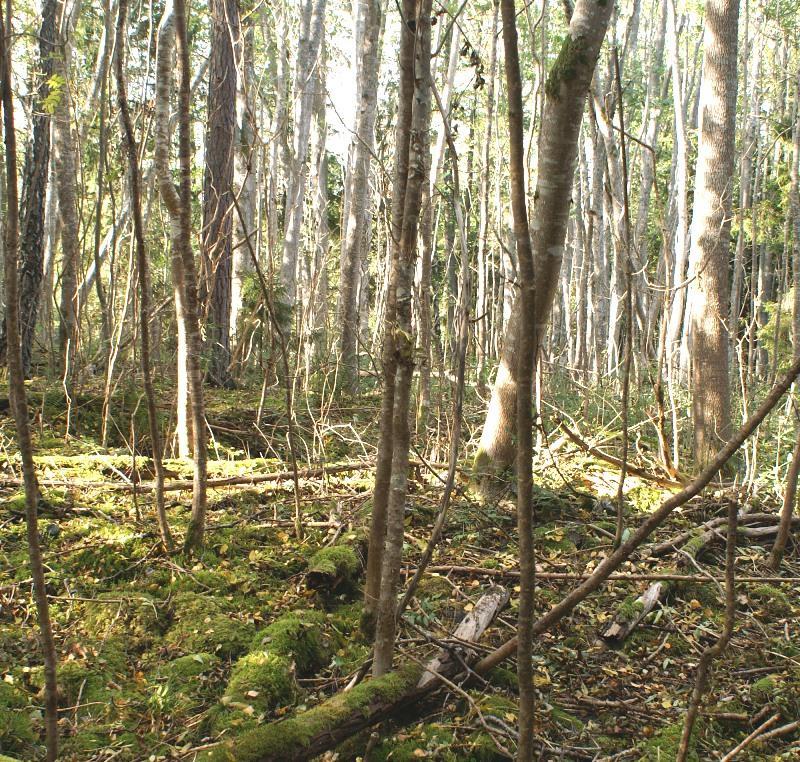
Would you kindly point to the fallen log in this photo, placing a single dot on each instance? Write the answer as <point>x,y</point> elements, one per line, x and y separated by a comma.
<point>471,627</point>
<point>310,733</point>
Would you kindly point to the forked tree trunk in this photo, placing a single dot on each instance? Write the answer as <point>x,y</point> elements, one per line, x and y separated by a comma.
<point>566,89</point>
<point>403,343</point>
<point>358,216</point>
<point>711,404</point>
<point>17,395</point>
<point>217,232</point>
<point>312,24</point>
<point>143,266</point>
<point>383,466</point>
<point>184,275</point>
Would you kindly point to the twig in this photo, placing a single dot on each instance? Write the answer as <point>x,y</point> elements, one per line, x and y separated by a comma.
<point>749,739</point>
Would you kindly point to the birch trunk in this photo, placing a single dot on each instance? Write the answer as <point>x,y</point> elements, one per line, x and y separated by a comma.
<point>309,46</point>
<point>358,214</point>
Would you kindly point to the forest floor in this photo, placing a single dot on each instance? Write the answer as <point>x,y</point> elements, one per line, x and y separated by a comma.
<point>161,658</point>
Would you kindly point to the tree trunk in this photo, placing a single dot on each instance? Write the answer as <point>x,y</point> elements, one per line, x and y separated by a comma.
<point>217,233</point>
<point>18,398</point>
<point>244,177</point>
<point>484,257</point>
<point>557,151</point>
<point>403,343</point>
<point>143,265</point>
<point>358,215</point>
<point>67,177</point>
<point>178,203</point>
<point>312,23</point>
<point>34,191</point>
<point>711,403</point>
<point>526,360</point>
<point>383,465</point>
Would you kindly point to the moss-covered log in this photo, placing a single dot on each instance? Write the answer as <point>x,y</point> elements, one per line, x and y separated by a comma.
<point>311,733</point>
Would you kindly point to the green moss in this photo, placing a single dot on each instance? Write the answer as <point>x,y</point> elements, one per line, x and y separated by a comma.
<point>504,678</point>
<point>630,608</point>
<point>16,731</point>
<point>772,599</point>
<point>763,691</point>
<point>663,746</point>
<point>782,691</point>
<point>117,613</point>
<point>695,545</point>
<point>333,568</point>
<point>185,669</point>
<point>570,58</point>
<point>80,682</point>
<point>301,636</point>
<point>201,625</point>
<point>274,740</point>
<point>260,682</point>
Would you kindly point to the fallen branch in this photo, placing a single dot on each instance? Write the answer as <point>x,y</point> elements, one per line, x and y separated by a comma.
<point>471,627</point>
<point>228,481</point>
<point>620,576</point>
<point>610,459</point>
<point>750,738</point>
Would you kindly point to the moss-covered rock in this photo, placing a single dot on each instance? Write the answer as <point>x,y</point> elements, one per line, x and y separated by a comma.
<point>333,569</point>
<point>16,731</point>
<point>300,636</point>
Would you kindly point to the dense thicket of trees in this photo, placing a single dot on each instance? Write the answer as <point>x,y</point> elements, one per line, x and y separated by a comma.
<point>350,199</point>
